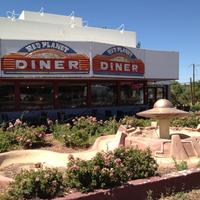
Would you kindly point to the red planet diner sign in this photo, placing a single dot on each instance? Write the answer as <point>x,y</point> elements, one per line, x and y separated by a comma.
<point>45,57</point>
<point>118,61</point>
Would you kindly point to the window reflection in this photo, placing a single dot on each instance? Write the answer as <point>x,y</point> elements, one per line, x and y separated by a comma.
<point>7,94</point>
<point>103,94</point>
<point>160,93</point>
<point>36,96</point>
<point>151,96</point>
<point>131,93</point>
<point>72,95</point>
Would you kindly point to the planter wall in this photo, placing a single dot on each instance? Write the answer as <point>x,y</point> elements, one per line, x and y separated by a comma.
<point>139,189</point>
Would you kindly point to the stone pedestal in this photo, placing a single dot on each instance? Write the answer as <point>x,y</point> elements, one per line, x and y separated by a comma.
<point>164,128</point>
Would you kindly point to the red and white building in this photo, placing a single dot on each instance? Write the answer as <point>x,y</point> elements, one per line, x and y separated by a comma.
<point>52,65</point>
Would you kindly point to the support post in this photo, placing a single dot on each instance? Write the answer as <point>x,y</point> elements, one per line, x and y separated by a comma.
<point>164,128</point>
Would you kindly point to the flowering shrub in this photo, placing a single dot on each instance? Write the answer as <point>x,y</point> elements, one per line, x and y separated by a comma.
<point>83,131</point>
<point>5,141</point>
<point>191,121</point>
<point>79,175</point>
<point>134,122</point>
<point>105,170</point>
<point>195,107</point>
<point>27,136</point>
<point>110,169</point>
<point>20,135</point>
<point>44,184</point>
<point>138,163</point>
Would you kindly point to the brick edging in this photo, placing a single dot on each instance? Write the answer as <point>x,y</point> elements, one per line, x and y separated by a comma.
<point>138,189</point>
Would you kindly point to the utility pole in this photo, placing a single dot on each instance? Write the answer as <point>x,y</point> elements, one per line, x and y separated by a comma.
<point>193,72</point>
<point>193,83</point>
<point>191,89</point>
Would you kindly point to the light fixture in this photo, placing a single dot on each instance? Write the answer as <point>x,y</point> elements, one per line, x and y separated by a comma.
<point>41,11</point>
<point>11,15</point>
<point>72,24</point>
<point>72,15</point>
<point>85,23</point>
<point>121,28</point>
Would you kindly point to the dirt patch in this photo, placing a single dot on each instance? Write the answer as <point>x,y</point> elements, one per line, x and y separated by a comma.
<point>54,145</point>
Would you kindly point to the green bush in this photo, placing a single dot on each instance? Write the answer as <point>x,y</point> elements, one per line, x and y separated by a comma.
<point>140,164</point>
<point>190,121</point>
<point>135,122</point>
<point>19,135</point>
<point>105,170</point>
<point>110,169</point>
<point>5,142</point>
<point>83,131</point>
<point>109,126</point>
<point>27,137</point>
<point>32,184</point>
<point>181,165</point>
<point>195,107</point>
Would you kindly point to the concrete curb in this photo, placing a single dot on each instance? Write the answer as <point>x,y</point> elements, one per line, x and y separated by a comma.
<point>139,189</point>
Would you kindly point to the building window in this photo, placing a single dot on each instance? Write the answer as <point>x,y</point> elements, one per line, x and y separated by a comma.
<point>151,95</point>
<point>72,95</point>
<point>131,93</point>
<point>160,93</point>
<point>155,93</point>
<point>36,96</point>
<point>103,94</point>
<point>7,94</point>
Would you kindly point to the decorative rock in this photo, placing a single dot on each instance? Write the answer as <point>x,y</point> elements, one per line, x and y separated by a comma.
<point>130,130</point>
<point>4,182</point>
<point>177,150</point>
<point>198,127</point>
<point>137,131</point>
<point>119,139</point>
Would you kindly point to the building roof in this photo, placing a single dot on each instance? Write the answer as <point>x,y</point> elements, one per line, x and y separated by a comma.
<point>45,26</point>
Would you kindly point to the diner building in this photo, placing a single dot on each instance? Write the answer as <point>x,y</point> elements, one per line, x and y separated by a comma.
<point>54,66</point>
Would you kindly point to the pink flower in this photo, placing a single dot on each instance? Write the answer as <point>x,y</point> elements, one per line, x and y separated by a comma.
<point>28,141</point>
<point>111,174</point>
<point>101,122</point>
<point>17,122</point>
<point>74,168</point>
<point>46,176</point>
<point>18,138</point>
<point>68,125</point>
<point>49,121</point>
<point>117,161</point>
<point>105,170</point>
<point>94,119</point>
<point>35,133</point>
<point>96,168</point>
<point>10,125</point>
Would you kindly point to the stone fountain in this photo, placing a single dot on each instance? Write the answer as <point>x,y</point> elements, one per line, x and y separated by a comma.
<point>168,144</point>
<point>163,111</point>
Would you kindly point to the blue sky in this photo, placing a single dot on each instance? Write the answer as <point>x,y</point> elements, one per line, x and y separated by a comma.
<point>172,25</point>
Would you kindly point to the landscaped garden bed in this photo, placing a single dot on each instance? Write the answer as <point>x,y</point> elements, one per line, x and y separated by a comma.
<point>81,133</point>
<point>105,170</point>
